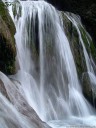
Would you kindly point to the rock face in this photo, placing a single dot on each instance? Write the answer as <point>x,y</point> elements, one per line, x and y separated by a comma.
<point>75,45</point>
<point>85,8</point>
<point>89,89</point>
<point>7,41</point>
<point>11,90</point>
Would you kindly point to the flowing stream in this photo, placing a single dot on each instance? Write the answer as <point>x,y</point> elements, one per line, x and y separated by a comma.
<point>47,79</point>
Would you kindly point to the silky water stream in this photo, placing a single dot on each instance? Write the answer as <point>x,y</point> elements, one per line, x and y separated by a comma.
<point>47,79</point>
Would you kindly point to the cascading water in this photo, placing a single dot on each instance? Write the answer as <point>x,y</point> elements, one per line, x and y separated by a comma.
<point>76,24</point>
<point>61,59</point>
<point>88,58</point>
<point>47,80</point>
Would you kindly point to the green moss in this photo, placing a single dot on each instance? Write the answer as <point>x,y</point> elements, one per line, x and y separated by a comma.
<point>7,57</point>
<point>75,45</point>
<point>16,5</point>
<point>93,50</point>
<point>67,25</point>
<point>84,37</point>
<point>10,67</point>
<point>6,17</point>
<point>7,41</point>
<point>78,54</point>
<point>88,43</point>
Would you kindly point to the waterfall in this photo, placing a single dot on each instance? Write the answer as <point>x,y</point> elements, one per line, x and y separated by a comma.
<point>47,79</point>
<point>88,57</point>
<point>76,23</point>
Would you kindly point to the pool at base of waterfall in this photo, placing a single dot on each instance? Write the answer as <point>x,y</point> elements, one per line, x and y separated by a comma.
<point>74,122</point>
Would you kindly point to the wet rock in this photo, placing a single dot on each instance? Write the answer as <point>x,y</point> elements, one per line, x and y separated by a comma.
<point>7,42</point>
<point>85,8</point>
<point>16,8</point>
<point>75,45</point>
<point>3,89</point>
<point>11,89</point>
<point>89,89</point>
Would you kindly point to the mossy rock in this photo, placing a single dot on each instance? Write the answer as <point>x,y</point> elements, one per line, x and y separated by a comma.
<point>6,17</point>
<point>85,8</point>
<point>17,9</point>
<point>89,89</point>
<point>89,44</point>
<point>67,25</point>
<point>75,45</point>
<point>78,54</point>
<point>7,41</point>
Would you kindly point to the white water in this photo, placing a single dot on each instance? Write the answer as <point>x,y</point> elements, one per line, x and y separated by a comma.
<point>47,82</point>
<point>77,23</point>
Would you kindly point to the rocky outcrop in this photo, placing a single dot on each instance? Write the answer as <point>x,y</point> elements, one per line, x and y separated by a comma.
<point>89,89</point>
<point>11,90</point>
<point>75,45</point>
<point>7,41</point>
<point>85,8</point>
